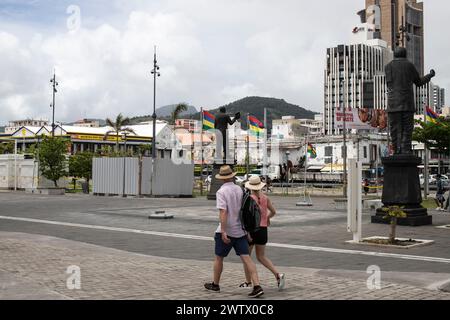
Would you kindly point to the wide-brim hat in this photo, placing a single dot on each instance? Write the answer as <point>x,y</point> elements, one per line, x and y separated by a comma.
<point>255,183</point>
<point>225,173</point>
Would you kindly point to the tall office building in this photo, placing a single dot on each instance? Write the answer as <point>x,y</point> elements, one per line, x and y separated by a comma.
<point>401,23</point>
<point>354,75</point>
<point>438,98</point>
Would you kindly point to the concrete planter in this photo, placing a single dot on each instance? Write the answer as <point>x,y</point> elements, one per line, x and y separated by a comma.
<point>48,191</point>
<point>372,204</point>
<point>420,243</point>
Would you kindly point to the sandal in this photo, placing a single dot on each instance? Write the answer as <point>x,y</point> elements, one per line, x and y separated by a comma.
<point>245,285</point>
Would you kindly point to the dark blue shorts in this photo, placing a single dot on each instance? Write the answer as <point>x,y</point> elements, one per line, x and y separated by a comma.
<point>240,246</point>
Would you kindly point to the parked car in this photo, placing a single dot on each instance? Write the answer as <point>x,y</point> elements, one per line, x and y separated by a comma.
<point>239,180</point>
<point>432,179</point>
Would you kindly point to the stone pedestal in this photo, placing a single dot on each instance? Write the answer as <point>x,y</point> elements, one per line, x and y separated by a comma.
<point>402,188</point>
<point>215,183</point>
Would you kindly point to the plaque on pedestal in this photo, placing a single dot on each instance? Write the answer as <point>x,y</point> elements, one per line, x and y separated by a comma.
<point>215,183</point>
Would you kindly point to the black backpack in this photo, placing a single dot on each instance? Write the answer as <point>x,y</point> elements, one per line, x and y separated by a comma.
<point>250,213</point>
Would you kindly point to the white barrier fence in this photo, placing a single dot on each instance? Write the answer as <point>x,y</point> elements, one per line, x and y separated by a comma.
<point>17,172</point>
<point>126,176</point>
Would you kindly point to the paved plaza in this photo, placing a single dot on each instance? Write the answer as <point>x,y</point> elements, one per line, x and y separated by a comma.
<point>121,254</point>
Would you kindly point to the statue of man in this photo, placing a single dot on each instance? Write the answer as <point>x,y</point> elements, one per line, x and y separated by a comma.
<point>401,74</point>
<point>221,124</point>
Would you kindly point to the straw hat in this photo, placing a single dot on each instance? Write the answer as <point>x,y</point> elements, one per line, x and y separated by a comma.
<point>225,173</point>
<point>254,183</point>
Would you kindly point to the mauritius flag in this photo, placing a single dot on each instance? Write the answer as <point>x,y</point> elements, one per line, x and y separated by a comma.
<point>312,151</point>
<point>431,116</point>
<point>208,120</point>
<point>256,127</point>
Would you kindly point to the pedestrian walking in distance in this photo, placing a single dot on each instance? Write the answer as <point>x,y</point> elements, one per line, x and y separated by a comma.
<point>440,193</point>
<point>259,238</point>
<point>230,233</point>
<point>366,185</point>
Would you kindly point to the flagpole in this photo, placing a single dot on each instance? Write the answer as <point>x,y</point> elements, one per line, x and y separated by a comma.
<point>248,147</point>
<point>425,160</point>
<point>265,145</point>
<point>306,163</point>
<point>201,151</point>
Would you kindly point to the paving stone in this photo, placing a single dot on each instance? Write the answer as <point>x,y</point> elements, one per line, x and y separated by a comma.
<point>41,262</point>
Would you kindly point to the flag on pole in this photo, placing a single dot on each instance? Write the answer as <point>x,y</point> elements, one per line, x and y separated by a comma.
<point>431,115</point>
<point>312,151</point>
<point>208,120</point>
<point>256,127</point>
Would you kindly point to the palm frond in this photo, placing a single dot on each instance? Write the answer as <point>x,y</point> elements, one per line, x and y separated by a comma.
<point>110,123</point>
<point>119,118</point>
<point>107,134</point>
<point>126,121</point>
<point>129,130</point>
<point>180,108</point>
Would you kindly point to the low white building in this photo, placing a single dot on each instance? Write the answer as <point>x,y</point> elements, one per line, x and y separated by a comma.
<point>366,148</point>
<point>93,138</point>
<point>13,126</point>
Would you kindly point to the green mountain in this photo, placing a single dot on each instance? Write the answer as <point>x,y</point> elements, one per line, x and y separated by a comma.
<point>165,113</point>
<point>276,108</point>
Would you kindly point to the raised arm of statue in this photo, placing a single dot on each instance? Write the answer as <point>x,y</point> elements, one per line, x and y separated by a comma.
<point>421,81</point>
<point>237,116</point>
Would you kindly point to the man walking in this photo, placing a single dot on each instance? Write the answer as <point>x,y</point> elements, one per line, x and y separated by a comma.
<point>440,199</point>
<point>230,234</point>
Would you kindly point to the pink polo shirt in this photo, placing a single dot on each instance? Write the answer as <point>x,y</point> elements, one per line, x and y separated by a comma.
<point>229,198</point>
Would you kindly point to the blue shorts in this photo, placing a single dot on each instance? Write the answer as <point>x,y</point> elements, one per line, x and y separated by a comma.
<point>240,246</point>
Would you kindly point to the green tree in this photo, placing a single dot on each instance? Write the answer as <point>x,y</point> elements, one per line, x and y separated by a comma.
<point>180,108</point>
<point>145,149</point>
<point>119,128</point>
<point>7,148</point>
<point>435,136</point>
<point>80,165</point>
<point>52,158</point>
<point>393,213</point>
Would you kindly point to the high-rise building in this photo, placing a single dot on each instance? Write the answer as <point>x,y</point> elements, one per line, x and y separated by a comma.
<point>438,98</point>
<point>354,75</point>
<point>400,23</point>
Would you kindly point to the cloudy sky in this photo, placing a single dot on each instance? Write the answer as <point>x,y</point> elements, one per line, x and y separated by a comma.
<point>211,52</point>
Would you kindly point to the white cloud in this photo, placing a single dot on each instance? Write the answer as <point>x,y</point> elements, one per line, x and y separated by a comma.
<point>100,72</point>
<point>232,93</point>
<point>210,53</point>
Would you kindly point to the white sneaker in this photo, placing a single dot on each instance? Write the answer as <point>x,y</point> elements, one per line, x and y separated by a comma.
<point>281,281</point>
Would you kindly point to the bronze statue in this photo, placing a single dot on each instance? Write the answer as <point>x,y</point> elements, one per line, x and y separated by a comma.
<point>221,124</point>
<point>401,74</point>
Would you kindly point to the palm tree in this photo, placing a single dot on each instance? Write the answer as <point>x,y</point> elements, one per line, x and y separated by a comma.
<point>181,107</point>
<point>119,127</point>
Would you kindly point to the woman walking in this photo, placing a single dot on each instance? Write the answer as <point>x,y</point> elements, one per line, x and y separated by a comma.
<point>259,239</point>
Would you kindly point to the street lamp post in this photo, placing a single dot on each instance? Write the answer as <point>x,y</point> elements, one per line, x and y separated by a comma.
<point>402,35</point>
<point>155,73</point>
<point>124,135</point>
<point>287,171</point>
<point>54,85</point>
